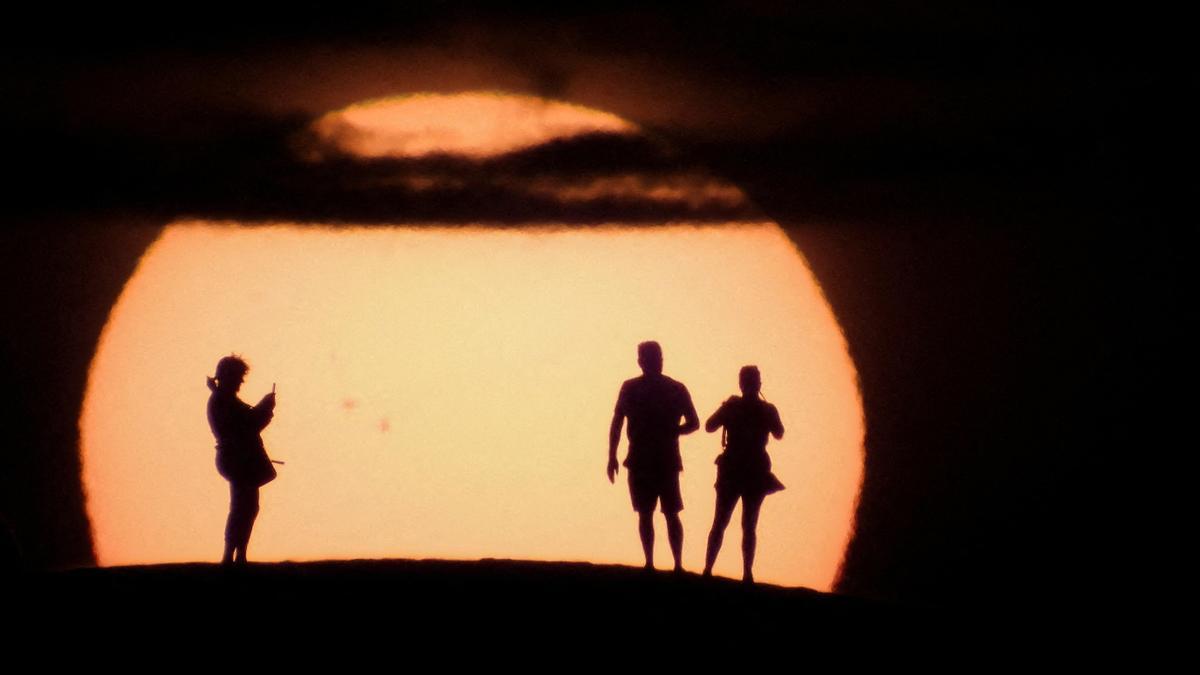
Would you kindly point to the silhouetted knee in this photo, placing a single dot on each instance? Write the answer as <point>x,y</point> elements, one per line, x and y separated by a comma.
<point>721,521</point>
<point>645,518</point>
<point>749,526</point>
<point>750,511</point>
<point>749,536</point>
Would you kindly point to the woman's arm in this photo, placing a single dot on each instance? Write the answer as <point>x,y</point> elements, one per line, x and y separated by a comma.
<point>261,414</point>
<point>776,428</point>
<point>717,420</point>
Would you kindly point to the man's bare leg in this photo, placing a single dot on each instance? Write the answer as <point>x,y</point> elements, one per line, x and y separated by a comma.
<point>675,537</point>
<point>646,531</point>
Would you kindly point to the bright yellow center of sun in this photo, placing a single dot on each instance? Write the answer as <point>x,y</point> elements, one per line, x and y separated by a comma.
<point>447,392</point>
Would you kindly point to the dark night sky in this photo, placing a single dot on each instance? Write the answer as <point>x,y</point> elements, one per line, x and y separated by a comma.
<point>963,182</point>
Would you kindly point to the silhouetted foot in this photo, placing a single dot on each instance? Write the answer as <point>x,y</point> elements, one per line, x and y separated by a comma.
<point>678,570</point>
<point>707,573</point>
<point>748,579</point>
<point>648,568</point>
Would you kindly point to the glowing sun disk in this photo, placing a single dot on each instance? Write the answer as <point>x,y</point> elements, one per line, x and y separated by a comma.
<point>447,392</point>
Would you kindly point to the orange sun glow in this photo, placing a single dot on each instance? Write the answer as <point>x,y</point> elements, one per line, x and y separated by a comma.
<point>446,392</point>
<point>475,124</point>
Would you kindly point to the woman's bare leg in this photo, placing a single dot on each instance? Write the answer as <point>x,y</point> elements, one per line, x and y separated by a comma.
<point>750,509</point>
<point>721,515</point>
<point>243,509</point>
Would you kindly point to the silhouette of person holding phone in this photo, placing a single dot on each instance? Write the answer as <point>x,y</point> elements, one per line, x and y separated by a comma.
<point>743,468</point>
<point>653,403</point>
<point>241,458</point>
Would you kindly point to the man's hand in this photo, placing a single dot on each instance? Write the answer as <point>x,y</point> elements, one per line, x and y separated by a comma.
<point>614,439</point>
<point>269,401</point>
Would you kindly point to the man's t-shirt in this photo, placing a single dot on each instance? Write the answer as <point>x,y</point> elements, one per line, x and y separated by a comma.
<point>653,405</point>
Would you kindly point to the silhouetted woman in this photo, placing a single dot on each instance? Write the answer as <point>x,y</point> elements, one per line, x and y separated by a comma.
<point>743,468</point>
<point>241,457</point>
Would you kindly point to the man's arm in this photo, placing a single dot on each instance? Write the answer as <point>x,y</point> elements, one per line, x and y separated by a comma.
<point>614,435</point>
<point>614,438</point>
<point>691,421</point>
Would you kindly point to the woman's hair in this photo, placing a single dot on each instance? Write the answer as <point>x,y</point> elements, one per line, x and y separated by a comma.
<point>751,373</point>
<point>231,367</point>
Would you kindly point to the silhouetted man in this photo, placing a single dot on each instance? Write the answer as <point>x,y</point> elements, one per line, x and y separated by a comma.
<point>654,403</point>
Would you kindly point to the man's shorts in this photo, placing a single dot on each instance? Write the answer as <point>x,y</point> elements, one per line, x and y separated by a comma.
<point>648,487</point>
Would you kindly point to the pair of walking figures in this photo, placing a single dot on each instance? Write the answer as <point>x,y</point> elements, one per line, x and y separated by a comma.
<point>654,404</point>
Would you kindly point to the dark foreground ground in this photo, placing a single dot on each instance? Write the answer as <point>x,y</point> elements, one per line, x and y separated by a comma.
<point>435,597</point>
<point>454,608</point>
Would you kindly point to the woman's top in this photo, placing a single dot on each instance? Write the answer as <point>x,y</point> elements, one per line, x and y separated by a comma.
<point>744,464</point>
<point>241,457</point>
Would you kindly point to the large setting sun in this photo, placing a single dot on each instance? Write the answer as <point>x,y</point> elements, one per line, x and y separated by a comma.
<point>446,392</point>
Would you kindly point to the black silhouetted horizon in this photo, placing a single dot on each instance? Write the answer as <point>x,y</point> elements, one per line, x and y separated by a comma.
<point>449,598</point>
